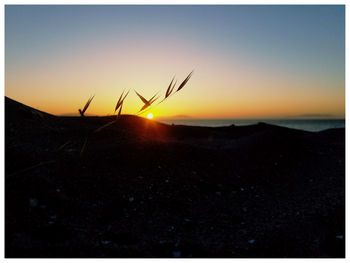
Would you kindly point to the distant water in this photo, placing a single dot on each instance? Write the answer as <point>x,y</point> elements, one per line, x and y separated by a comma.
<point>307,125</point>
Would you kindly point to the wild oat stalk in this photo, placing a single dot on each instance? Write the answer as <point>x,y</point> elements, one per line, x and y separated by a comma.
<point>86,106</point>
<point>185,81</point>
<point>63,146</point>
<point>104,126</point>
<point>120,110</point>
<point>169,92</point>
<point>83,147</point>
<point>147,103</point>
<point>120,102</point>
<point>119,106</point>
<point>170,88</point>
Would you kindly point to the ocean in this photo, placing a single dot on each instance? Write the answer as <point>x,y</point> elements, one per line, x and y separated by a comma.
<point>313,125</point>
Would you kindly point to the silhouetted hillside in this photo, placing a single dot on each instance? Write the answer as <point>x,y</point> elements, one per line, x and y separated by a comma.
<point>139,188</point>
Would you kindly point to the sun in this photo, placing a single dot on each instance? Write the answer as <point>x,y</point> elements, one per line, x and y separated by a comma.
<point>150,116</point>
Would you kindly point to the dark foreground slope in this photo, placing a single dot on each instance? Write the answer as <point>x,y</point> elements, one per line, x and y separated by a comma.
<point>144,189</point>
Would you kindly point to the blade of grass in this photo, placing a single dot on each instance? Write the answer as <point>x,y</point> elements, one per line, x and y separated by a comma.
<point>151,101</point>
<point>83,147</point>
<point>87,104</point>
<point>121,100</point>
<point>63,145</point>
<point>185,81</point>
<point>118,103</point>
<point>168,91</point>
<point>172,88</point>
<point>142,98</point>
<point>104,126</point>
<point>120,110</point>
<point>31,167</point>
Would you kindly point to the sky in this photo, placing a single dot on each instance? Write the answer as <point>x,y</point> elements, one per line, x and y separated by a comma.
<point>249,61</point>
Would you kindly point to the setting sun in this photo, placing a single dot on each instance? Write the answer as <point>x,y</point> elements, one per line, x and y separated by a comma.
<point>150,116</point>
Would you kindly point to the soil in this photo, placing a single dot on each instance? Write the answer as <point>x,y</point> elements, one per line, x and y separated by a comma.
<point>140,188</point>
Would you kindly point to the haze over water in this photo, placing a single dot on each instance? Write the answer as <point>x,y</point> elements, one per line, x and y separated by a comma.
<point>313,125</point>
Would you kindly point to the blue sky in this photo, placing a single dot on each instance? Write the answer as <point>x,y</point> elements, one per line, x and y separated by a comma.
<point>246,45</point>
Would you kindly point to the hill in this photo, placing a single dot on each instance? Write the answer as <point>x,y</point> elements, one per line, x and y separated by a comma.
<point>139,188</point>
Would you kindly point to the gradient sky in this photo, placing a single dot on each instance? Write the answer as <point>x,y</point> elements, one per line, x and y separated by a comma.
<point>249,61</point>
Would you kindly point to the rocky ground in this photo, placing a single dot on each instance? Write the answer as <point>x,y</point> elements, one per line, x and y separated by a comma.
<point>139,188</point>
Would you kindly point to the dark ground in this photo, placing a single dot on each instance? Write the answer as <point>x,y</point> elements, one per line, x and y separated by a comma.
<point>145,189</point>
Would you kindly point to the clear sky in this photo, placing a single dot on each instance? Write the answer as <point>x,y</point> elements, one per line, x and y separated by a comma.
<point>249,61</point>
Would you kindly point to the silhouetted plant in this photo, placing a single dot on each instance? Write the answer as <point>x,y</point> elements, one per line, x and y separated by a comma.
<point>169,92</point>
<point>147,103</point>
<point>120,103</point>
<point>86,106</point>
<point>170,88</point>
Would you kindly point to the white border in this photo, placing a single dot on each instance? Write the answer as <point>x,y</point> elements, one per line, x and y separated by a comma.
<point>168,2</point>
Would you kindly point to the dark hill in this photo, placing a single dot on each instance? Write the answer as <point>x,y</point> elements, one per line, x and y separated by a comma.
<point>139,188</point>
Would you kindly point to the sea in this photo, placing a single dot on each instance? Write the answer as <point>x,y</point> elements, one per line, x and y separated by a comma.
<point>313,125</point>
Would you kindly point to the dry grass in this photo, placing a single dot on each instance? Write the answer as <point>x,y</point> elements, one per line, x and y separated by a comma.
<point>170,88</point>
<point>169,92</point>
<point>120,102</point>
<point>82,112</point>
<point>185,81</point>
<point>147,105</point>
<point>104,126</point>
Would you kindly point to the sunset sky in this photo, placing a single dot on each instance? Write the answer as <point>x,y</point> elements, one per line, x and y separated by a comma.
<point>249,61</point>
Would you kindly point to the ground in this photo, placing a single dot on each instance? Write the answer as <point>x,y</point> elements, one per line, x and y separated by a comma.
<point>139,188</point>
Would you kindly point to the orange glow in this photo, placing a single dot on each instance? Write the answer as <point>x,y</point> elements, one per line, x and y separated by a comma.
<point>224,90</point>
<point>233,76</point>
